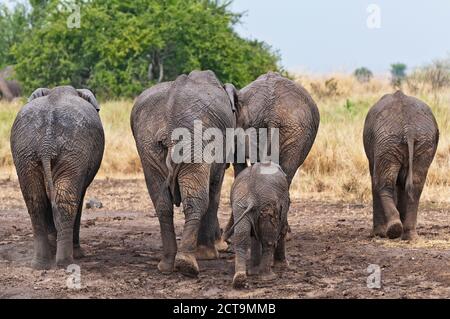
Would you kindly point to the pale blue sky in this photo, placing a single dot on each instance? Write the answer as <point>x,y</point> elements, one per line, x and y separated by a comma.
<point>324,35</point>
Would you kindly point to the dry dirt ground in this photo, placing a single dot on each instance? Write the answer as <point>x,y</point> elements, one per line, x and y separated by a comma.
<point>329,252</point>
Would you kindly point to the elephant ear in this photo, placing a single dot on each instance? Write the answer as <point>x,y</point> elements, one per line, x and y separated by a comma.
<point>90,97</point>
<point>38,93</point>
<point>233,96</point>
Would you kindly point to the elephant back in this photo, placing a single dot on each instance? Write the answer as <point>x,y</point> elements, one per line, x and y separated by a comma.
<point>199,96</point>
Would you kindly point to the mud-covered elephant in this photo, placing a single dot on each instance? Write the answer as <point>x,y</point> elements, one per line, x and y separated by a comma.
<point>400,139</point>
<point>273,101</point>
<point>157,115</point>
<point>260,204</point>
<point>57,144</point>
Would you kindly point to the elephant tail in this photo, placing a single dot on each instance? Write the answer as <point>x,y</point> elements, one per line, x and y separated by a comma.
<point>409,179</point>
<point>49,186</point>
<point>171,182</point>
<point>228,232</point>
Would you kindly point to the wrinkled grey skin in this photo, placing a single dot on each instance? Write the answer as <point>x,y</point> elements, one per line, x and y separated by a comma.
<point>156,113</point>
<point>57,144</point>
<point>273,101</point>
<point>400,139</point>
<point>260,204</point>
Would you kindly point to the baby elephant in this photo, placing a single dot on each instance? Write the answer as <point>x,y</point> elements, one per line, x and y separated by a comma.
<point>57,145</point>
<point>400,140</point>
<point>260,203</point>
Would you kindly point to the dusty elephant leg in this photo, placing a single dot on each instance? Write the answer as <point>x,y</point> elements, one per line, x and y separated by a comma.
<point>33,190</point>
<point>241,244</point>
<point>384,186</point>
<point>379,220</point>
<point>162,202</point>
<point>43,256</point>
<point>267,259</point>
<point>209,234</point>
<point>255,257</point>
<point>394,226</point>
<point>77,250</point>
<point>412,206</point>
<point>280,253</point>
<point>194,188</point>
<point>68,196</point>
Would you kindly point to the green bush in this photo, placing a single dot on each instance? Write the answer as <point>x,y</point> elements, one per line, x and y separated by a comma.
<point>124,46</point>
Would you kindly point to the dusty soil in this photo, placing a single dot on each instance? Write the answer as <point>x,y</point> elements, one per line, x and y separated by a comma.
<point>329,252</point>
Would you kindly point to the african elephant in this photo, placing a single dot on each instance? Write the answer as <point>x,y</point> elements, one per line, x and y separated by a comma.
<point>400,140</point>
<point>159,112</point>
<point>260,204</point>
<point>273,101</point>
<point>57,144</point>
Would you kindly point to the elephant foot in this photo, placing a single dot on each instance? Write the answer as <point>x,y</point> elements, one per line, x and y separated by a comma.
<point>186,264</point>
<point>379,231</point>
<point>239,280</point>
<point>78,252</point>
<point>221,245</point>
<point>281,264</point>
<point>64,262</point>
<point>268,276</point>
<point>410,235</point>
<point>394,229</point>
<point>206,253</point>
<point>38,264</point>
<point>165,266</point>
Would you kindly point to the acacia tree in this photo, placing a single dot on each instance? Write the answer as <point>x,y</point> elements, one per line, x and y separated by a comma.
<point>123,46</point>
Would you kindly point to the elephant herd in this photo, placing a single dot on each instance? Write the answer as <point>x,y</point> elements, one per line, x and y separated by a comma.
<point>57,143</point>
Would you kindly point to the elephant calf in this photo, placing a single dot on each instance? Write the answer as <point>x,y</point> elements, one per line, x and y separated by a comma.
<point>57,144</point>
<point>260,203</point>
<point>400,139</point>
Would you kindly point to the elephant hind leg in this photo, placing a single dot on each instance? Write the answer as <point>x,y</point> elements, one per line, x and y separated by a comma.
<point>209,234</point>
<point>385,188</point>
<point>69,191</point>
<point>411,205</point>
<point>162,201</point>
<point>77,250</point>
<point>194,187</point>
<point>39,208</point>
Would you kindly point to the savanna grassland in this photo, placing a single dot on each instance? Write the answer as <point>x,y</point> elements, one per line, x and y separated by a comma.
<point>329,248</point>
<point>336,168</point>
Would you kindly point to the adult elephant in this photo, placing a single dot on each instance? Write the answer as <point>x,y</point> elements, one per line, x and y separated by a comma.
<point>273,101</point>
<point>400,140</point>
<point>158,114</point>
<point>57,144</point>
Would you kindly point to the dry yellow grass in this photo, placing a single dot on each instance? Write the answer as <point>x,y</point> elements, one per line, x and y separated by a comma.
<point>336,168</point>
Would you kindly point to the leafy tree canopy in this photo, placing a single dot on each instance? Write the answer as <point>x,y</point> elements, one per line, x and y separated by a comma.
<point>123,46</point>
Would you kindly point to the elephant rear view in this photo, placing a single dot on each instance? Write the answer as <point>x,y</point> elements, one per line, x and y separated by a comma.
<point>260,202</point>
<point>57,144</point>
<point>400,139</point>
<point>273,101</point>
<point>164,117</point>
